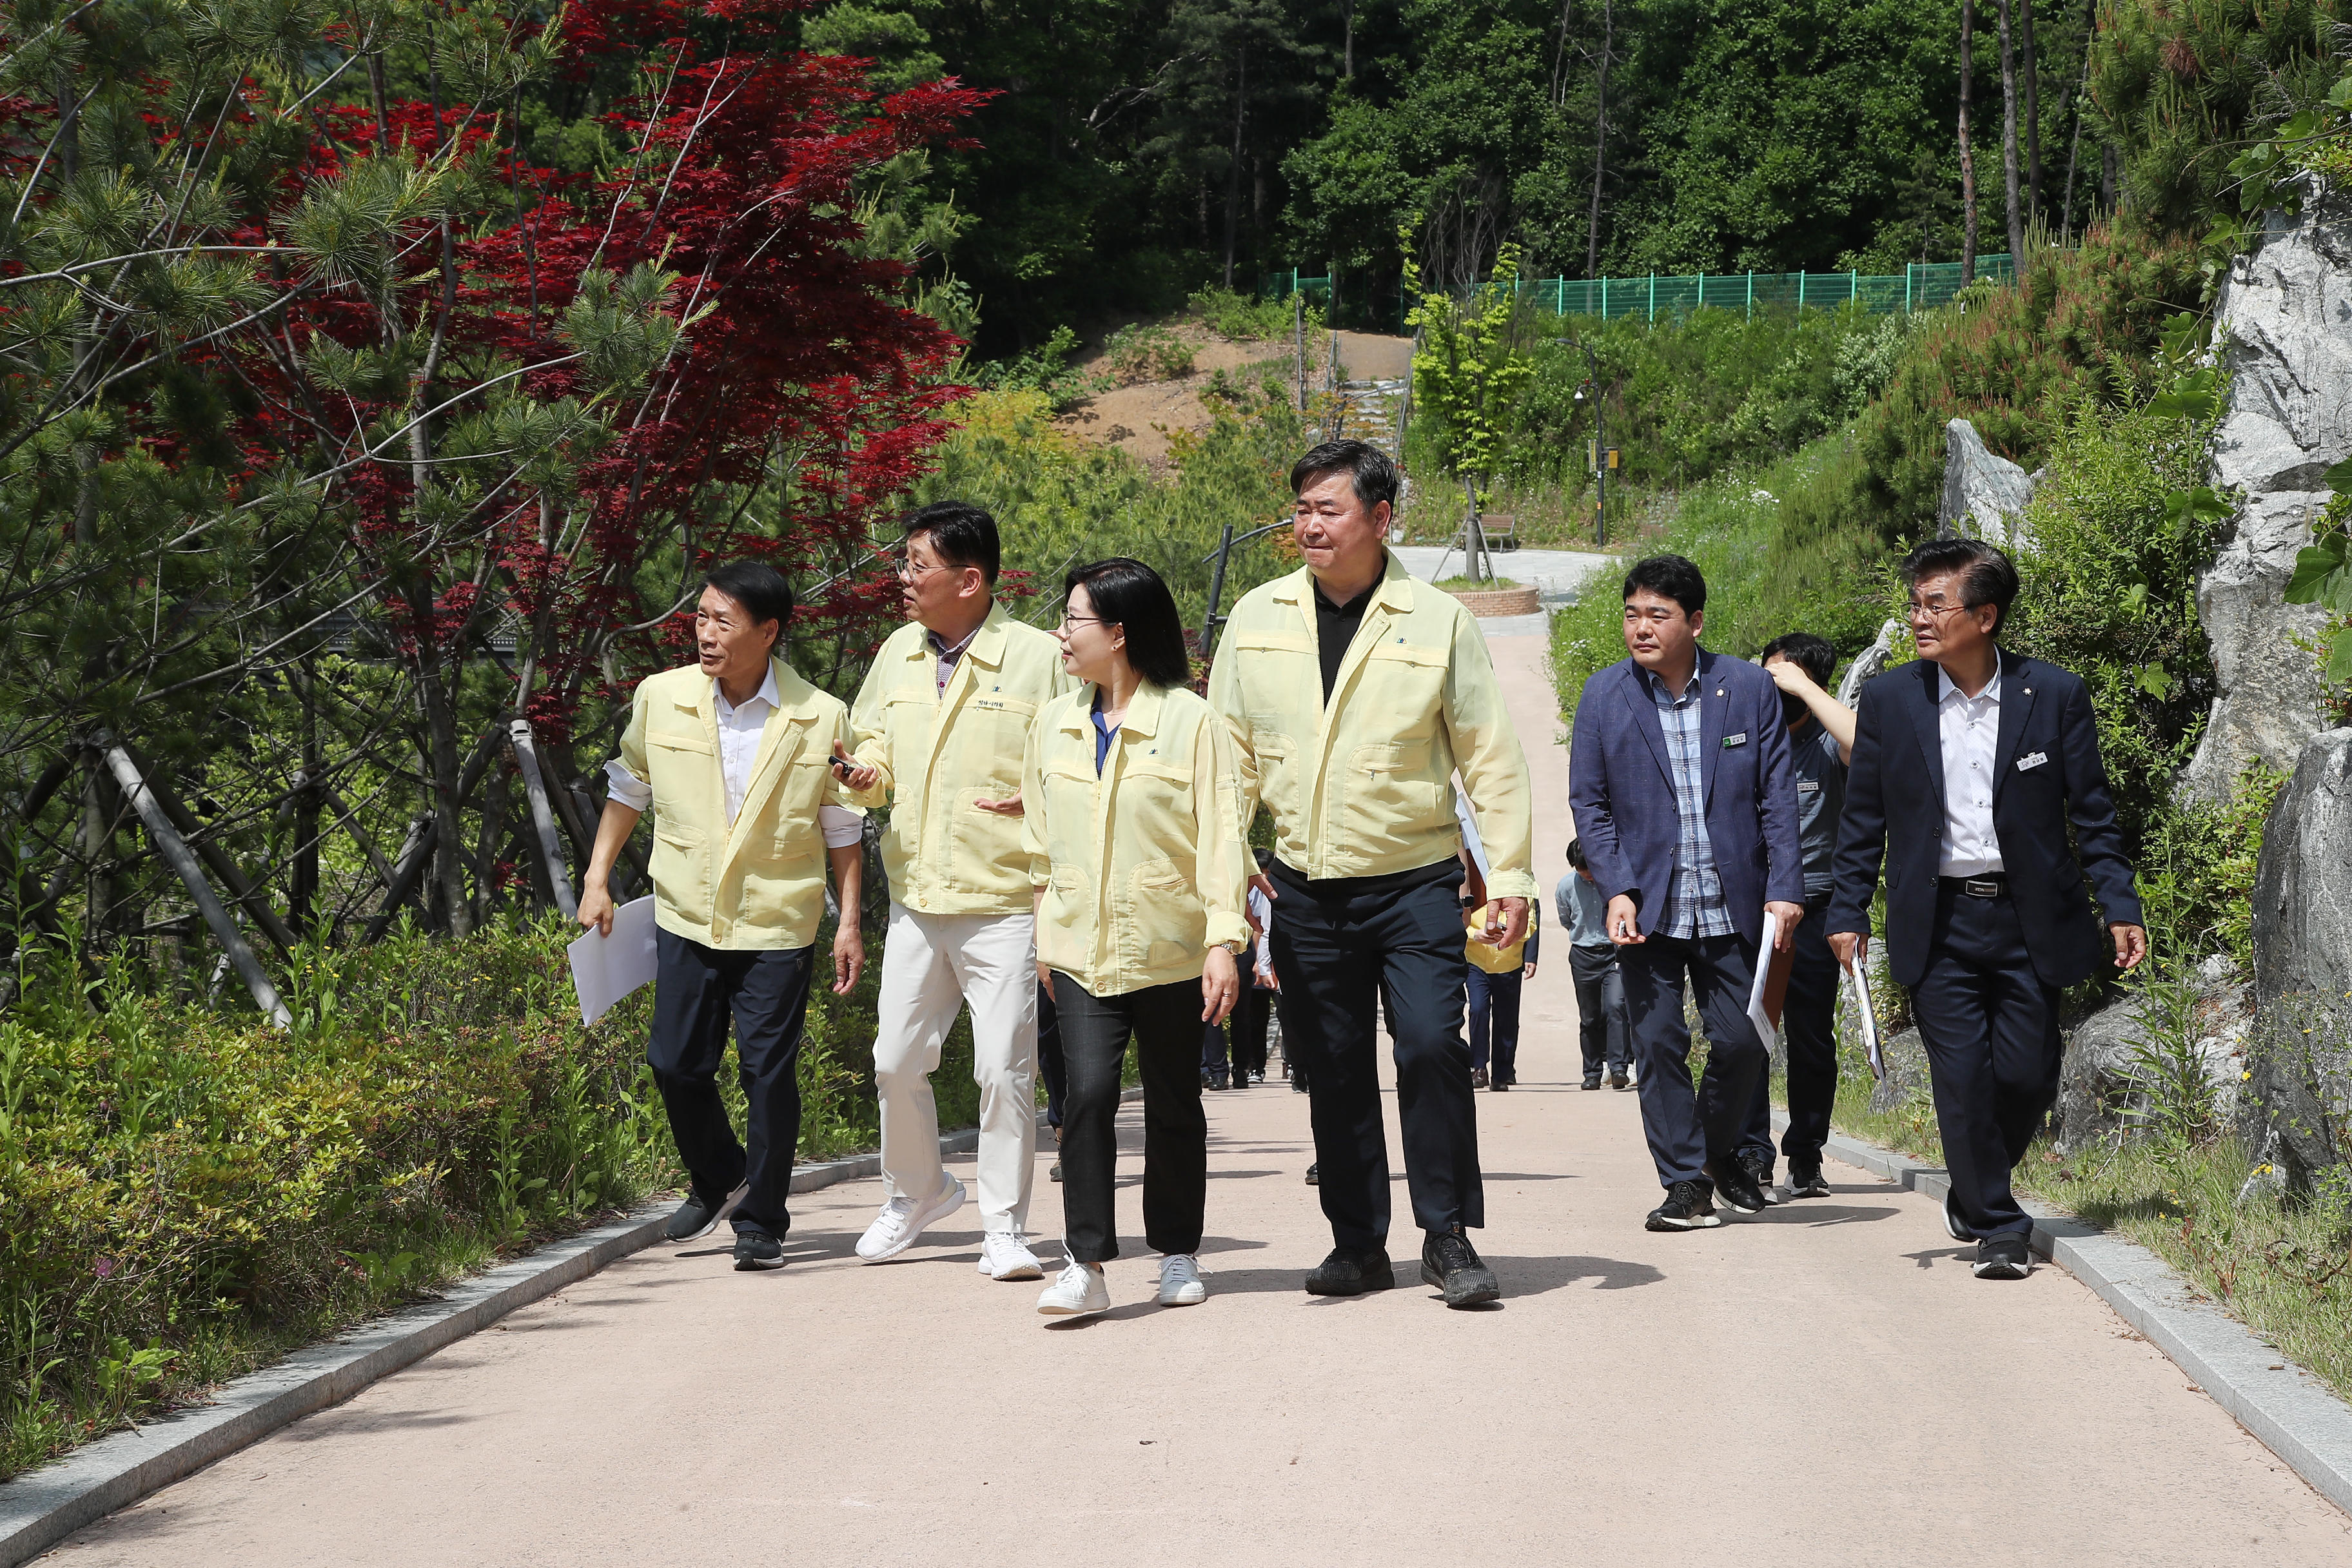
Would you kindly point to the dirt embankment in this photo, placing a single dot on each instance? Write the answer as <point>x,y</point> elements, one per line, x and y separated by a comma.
<point>1140,417</point>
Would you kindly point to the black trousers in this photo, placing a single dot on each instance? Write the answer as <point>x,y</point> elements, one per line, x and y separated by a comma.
<point>1164,1022</point>
<point>1688,1128</point>
<point>697,990</point>
<point>1495,1022</point>
<point>1337,943</point>
<point>1244,1028</point>
<point>1809,1022</point>
<point>1990,1028</point>
<point>1601,1025</point>
<point>1049,1055</point>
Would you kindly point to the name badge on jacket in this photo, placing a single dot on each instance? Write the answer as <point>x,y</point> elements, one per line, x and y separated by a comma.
<point>2035,761</point>
<point>1738,740</point>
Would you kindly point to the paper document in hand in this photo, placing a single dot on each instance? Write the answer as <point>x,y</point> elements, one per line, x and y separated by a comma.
<point>1771,987</point>
<point>606,968</point>
<point>1869,1016</point>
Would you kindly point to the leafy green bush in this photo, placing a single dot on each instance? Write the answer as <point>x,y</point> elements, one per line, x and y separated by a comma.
<point>1045,370</point>
<point>1245,318</point>
<point>1146,352</point>
<point>186,1196</point>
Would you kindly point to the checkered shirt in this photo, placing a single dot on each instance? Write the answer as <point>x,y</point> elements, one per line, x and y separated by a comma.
<point>1695,907</point>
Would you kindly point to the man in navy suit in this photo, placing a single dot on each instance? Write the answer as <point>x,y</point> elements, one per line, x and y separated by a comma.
<point>1968,767</point>
<point>1679,780</point>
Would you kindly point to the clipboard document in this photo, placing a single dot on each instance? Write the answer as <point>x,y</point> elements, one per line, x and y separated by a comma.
<point>1770,991</point>
<point>606,968</point>
<point>1868,1014</point>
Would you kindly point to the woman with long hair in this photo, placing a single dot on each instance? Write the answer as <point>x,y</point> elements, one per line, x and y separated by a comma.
<point>1132,792</point>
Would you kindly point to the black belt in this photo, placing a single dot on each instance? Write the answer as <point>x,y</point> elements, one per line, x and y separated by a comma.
<point>1991,885</point>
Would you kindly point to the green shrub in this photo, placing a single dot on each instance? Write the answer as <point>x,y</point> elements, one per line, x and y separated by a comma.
<point>1146,352</point>
<point>1244,319</point>
<point>1045,370</point>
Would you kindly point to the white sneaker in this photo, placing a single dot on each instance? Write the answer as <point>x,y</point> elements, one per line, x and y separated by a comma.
<point>1005,1255</point>
<point>1180,1280</point>
<point>1077,1292</point>
<point>903,1219</point>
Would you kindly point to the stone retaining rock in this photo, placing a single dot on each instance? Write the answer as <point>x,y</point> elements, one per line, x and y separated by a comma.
<point>2284,328</point>
<point>1985,495</point>
<point>1905,1057</point>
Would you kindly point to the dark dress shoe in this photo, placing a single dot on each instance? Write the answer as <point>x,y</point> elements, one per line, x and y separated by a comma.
<point>1348,1272</point>
<point>1312,1180</point>
<point>1477,1078</point>
<point>1501,1085</point>
<point>1617,1079</point>
<point>1449,1263</point>
<point>1593,1082</point>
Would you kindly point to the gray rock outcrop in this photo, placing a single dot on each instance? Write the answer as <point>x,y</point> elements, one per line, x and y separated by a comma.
<point>2285,332</point>
<point>1906,1058</point>
<point>2296,1112</point>
<point>1985,495</point>
<point>2101,1093</point>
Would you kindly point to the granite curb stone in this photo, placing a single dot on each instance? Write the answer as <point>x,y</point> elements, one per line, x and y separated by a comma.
<point>2291,1412</point>
<point>42,1507</point>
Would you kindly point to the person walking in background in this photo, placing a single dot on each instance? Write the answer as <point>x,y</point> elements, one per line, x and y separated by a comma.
<point>1821,743</point>
<point>1355,693</point>
<point>1593,966</point>
<point>1496,978</point>
<point>1133,829</point>
<point>1678,776</point>
<point>729,754</point>
<point>1970,768</point>
<point>940,723</point>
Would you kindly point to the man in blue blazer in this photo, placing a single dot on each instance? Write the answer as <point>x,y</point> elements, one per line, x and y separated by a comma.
<point>1968,768</point>
<point>1680,782</point>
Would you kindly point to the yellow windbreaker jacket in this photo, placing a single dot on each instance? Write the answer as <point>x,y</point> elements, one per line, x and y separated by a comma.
<point>940,751</point>
<point>1143,867</point>
<point>759,883</point>
<point>1361,787</point>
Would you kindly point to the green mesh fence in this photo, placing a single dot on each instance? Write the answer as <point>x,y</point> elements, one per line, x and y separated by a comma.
<point>1922,286</point>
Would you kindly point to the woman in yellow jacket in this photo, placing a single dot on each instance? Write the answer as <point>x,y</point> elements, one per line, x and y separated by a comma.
<point>1132,795</point>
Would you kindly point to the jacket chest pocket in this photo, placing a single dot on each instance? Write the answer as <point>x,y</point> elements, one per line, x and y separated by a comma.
<point>1406,679</point>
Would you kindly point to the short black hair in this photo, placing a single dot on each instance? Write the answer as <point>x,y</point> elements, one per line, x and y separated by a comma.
<point>1675,577</point>
<point>1128,594</point>
<point>1576,854</point>
<point>963,533</point>
<point>1808,653</point>
<point>1372,471</point>
<point>760,588</point>
<point>1986,576</point>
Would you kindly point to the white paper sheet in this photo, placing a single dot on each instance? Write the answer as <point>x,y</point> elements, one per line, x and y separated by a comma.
<point>1757,1016</point>
<point>606,968</point>
<point>1869,1015</point>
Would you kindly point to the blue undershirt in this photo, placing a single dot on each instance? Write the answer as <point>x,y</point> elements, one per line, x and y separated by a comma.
<point>1103,733</point>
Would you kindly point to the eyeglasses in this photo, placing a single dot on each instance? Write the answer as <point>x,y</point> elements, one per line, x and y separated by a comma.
<point>908,567</point>
<point>1937,607</point>
<point>1069,620</point>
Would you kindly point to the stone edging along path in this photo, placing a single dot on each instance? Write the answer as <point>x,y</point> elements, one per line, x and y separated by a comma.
<point>42,1507</point>
<point>2292,1414</point>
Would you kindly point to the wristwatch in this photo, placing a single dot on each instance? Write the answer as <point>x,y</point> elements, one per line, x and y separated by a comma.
<point>1232,946</point>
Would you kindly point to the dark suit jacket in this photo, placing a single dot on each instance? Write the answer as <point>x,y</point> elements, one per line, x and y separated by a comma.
<point>1621,790</point>
<point>1895,807</point>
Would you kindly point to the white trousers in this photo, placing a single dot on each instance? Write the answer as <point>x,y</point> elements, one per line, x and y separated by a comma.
<point>931,965</point>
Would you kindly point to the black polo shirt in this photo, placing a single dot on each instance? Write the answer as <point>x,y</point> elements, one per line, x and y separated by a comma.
<point>1335,629</point>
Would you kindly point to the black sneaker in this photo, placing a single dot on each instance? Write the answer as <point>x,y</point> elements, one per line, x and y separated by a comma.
<point>1735,1186</point>
<point>699,1216</point>
<point>1954,1225</point>
<point>1348,1272</point>
<point>2004,1256</point>
<point>1807,1182</point>
<point>757,1249</point>
<point>1312,1180</point>
<point>1449,1262</point>
<point>1689,1206</point>
<point>1758,1166</point>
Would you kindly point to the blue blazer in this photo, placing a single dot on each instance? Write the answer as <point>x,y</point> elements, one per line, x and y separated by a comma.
<point>1621,790</point>
<point>2046,774</point>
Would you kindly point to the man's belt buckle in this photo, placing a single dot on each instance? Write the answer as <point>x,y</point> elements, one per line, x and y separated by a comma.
<point>1980,888</point>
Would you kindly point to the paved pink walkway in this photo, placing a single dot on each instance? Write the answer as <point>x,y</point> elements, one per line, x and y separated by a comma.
<point>1823,1385</point>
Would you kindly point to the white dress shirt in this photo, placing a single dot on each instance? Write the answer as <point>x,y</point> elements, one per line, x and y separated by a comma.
<point>1968,729</point>
<point>739,730</point>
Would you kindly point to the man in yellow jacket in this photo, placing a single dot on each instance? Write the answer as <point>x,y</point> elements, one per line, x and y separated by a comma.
<point>941,723</point>
<point>730,754</point>
<point>1356,694</point>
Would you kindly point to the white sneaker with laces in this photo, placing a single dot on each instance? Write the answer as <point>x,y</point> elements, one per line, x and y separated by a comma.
<point>1180,1280</point>
<point>1077,1291</point>
<point>903,1219</point>
<point>1005,1255</point>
